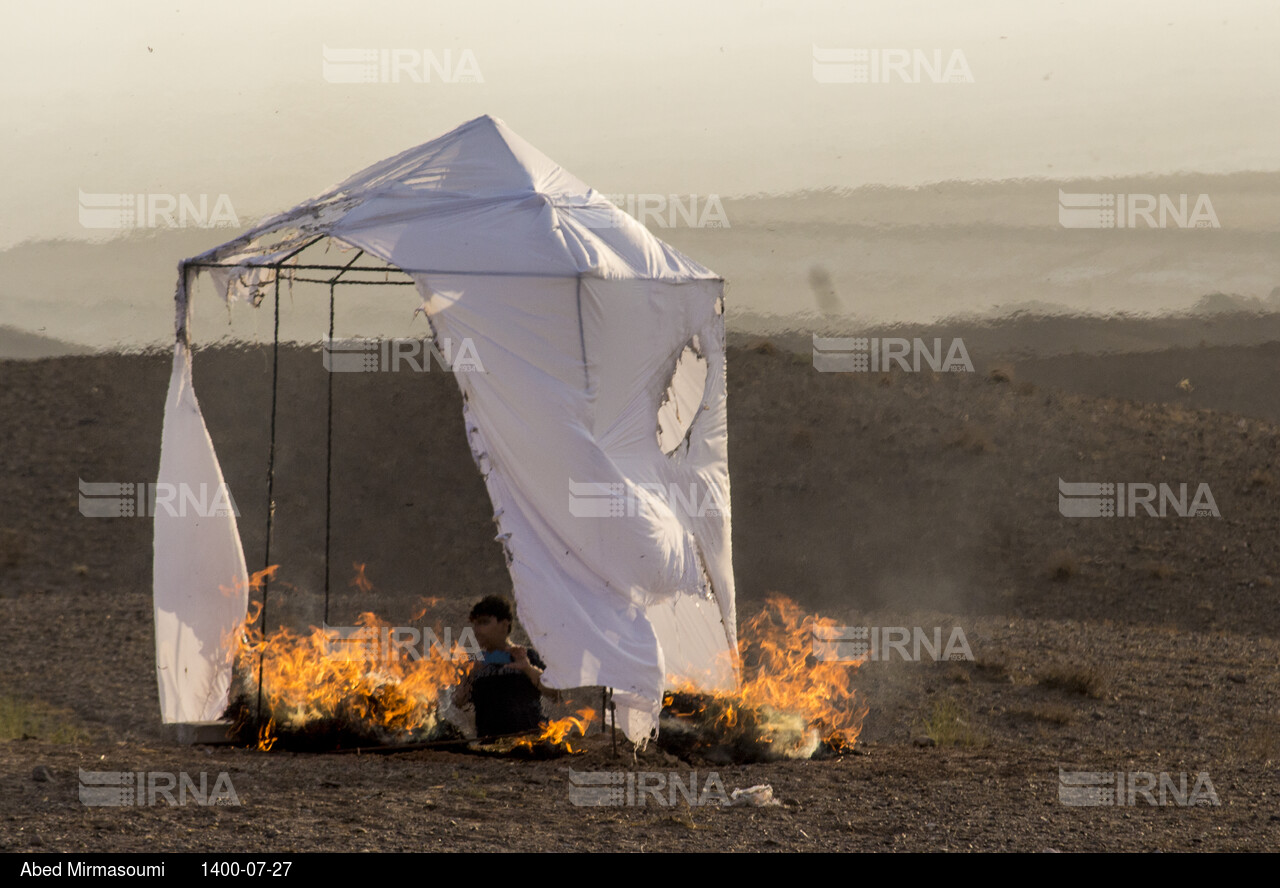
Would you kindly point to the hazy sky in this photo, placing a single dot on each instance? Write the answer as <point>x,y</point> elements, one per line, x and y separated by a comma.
<point>664,97</point>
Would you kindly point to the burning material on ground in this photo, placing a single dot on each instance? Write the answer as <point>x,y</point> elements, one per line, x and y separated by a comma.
<point>365,687</point>
<point>722,730</point>
<point>559,732</point>
<point>369,688</point>
<point>791,704</point>
<point>563,736</point>
<point>322,689</point>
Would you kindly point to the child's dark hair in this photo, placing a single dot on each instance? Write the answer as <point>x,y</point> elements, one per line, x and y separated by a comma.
<point>493,606</point>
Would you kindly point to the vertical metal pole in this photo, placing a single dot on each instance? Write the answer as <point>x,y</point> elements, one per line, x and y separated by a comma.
<point>328,463</point>
<point>271,477</point>
<point>613,719</point>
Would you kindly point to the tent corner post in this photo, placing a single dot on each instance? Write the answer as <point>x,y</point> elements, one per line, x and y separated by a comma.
<point>181,306</point>
<point>613,722</point>
<point>328,453</point>
<point>271,476</point>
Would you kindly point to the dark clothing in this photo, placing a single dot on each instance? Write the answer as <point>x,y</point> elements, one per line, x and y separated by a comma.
<point>506,701</point>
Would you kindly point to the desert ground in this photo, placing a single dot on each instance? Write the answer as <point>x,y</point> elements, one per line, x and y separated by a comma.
<point>927,499</point>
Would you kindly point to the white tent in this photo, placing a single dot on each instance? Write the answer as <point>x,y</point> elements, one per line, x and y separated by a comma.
<point>599,420</point>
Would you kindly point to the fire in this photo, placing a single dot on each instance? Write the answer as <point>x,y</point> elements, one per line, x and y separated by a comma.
<point>558,732</point>
<point>266,738</point>
<point>788,698</point>
<point>360,581</point>
<point>427,603</point>
<point>372,687</point>
<point>369,686</point>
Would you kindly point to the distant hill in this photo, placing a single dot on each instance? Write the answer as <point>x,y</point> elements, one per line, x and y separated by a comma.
<point>870,256</point>
<point>1022,335</point>
<point>18,345</point>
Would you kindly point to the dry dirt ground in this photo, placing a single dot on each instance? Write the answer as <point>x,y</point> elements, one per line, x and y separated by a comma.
<point>1106,645</point>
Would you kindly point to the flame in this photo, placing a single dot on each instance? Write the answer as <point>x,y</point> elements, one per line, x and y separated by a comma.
<point>782,683</point>
<point>374,684</point>
<point>371,685</point>
<point>557,732</point>
<point>266,737</point>
<point>360,581</point>
<point>379,687</point>
<point>428,602</point>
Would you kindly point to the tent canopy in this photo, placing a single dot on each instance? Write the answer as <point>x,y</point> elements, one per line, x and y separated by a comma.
<point>598,420</point>
<point>480,200</point>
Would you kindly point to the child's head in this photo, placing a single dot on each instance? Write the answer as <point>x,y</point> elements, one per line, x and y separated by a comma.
<point>491,620</point>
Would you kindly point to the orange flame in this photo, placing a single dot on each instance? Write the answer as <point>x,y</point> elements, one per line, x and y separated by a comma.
<point>374,679</point>
<point>557,732</point>
<point>427,603</point>
<point>266,739</point>
<point>781,676</point>
<point>378,681</point>
<point>360,581</point>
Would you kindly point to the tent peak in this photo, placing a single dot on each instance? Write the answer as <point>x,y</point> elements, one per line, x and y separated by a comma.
<point>478,199</point>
